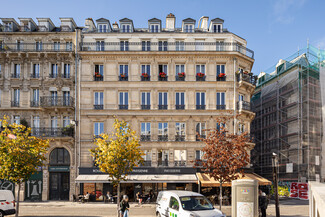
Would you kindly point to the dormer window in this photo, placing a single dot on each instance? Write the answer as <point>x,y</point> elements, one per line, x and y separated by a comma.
<point>217,28</point>
<point>154,28</point>
<point>189,27</point>
<point>8,27</point>
<point>102,28</point>
<point>126,28</point>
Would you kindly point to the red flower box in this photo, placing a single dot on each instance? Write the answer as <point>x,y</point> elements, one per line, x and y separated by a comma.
<point>245,72</point>
<point>162,74</point>
<point>181,74</point>
<point>200,74</point>
<point>122,75</point>
<point>221,75</point>
<point>145,75</point>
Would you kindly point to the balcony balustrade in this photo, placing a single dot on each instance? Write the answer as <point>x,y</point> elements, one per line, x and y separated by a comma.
<point>52,132</point>
<point>162,107</point>
<point>98,107</point>
<point>58,101</point>
<point>145,107</point>
<point>179,138</point>
<point>180,107</point>
<point>162,137</point>
<point>145,138</point>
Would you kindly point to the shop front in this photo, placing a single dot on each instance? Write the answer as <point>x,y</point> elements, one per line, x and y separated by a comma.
<point>147,181</point>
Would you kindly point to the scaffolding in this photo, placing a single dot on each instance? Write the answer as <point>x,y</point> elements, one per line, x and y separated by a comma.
<point>288,106</point>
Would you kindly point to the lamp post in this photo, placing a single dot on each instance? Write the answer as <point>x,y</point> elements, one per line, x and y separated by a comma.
<point>275,181</point>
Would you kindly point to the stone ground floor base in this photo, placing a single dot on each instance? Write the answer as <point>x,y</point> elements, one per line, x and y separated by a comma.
<point>288,208</point>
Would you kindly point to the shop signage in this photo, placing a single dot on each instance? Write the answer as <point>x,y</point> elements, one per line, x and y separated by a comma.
<point>34,187</point>
<point>143,170</point>
<point>299,190</point>
<point>59,169</point>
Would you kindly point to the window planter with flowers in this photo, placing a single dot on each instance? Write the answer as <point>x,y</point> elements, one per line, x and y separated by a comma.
<point>162,76</point>
<point>180,76</point>
<point>145,77</point>
<point>200,76</point>
<point>221,77</point>
<point>98,76</point>
<point>123,77</point>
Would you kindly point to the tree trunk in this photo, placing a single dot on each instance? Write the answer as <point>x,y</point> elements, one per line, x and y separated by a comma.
<point>18,198</point>
<point>220,196</point>
<point>118,199</point>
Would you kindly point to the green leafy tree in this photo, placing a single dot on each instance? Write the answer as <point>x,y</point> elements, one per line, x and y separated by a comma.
<point>118,153</point>
<point>20,154</point>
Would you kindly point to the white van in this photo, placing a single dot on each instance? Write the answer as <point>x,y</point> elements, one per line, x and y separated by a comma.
<point>7,203</point>
<point>185,204</point>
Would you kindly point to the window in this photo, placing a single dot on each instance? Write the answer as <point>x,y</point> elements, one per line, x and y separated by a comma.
<point>16,71</point>
<point>39,46</point>
<point>126,28</point>
<point>56,46</point>
<point>145,100</point>
<point>220,46</point>
<point>163,72</point>
<point>19,45</point>
<point>102,28</point>
<point>145,45</point>
<point>124,70</point>
<point>162,131</point>
<point>15,98</point>
<point>220,125</point>
<point>35,99</point>
<point>54,122</point>
<point>180,131</point>
<point>180,69</point>
<point>173,203</point>
<point>200,130</point>
<point>241,128</point>
<point>241,97</point>
<point>200,69</point>
<point>54,72</point>
<point>189,27</point>
<point>217,28</point>
<point>147,157</point>
<point>124,45</point>
<point>180,158</point>
<point>123,100</point>
<point>66,98</point>
<point>200,100</point>
<point>66,71</point>
<point>154,28</point>
<point>145,131</point>
<point>100,45</point>
<point>180,100</point>
<point>162,103</point>
<point>35,71</point>
<point>162,45</point>
<point>180,45</point>
<point>68,46</point>
<point>16,119</point>
<point>221,72</point>
<point>145,72</point>
<point>36,122</point>
<point>98,128</point>
<point>54,98</point>
<point>99,100</point>
<point>66,121</point>
<point>221,103</point>
<point>59,156</point>
<point>99,73</point>
<point>199,155</point>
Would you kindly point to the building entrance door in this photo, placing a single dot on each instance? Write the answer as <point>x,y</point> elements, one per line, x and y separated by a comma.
<point>59,185</point>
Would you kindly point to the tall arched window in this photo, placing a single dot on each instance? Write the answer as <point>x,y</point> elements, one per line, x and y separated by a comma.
<point>59,157</point>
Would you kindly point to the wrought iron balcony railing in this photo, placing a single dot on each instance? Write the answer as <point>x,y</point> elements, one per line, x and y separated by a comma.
<point>243,105</point>
<point>162,163</point>
<point>200,107</point>
<point>250,78</point>
<point>199,78</point>
<point>145,138</point>
<point>98,77</point>
<point>177,78</point>
<point>36,47</point>
<point>162,78</point>
<point>146,163</point>
<point>180,107</point>
<point>58,101</point>
<point>171,46</point>
<point>34,75</point>
<point>179,138</point>
<point>179,163</point>
<point>221,78</point>
<point>123,78</point>
<point>162,137</point>
<point>15,75</point>
<point>34,103</point>
<point>221,107</point>
<point>199,137</point>
<point>145,107</point>
<point>145,78</point>
<point>123,107</point>
<point>14,103</point>
<point>162,107</point>
<point>98,107</point>
<point>53,132</point>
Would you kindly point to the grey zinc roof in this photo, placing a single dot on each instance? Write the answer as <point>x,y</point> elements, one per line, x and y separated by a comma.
<point>125,20</point>
<point>217,20</point>
<point>102,20</point>
<point>154,20</point>
<point>189,20</point>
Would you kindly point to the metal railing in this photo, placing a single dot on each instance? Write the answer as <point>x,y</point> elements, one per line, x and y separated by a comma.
<point>162,137</point>
<point>200,107</point>
<point>98,78</point>
<point>244,105</point>
<point>145,138</point>
<point>250,78</point>
<point>177,78</point>
<point>146,163</point>
<point>199,78</point>
<point>123,107</point>
<point>180,107</point>
<point>58,101</point>
<point>52,132</point>
<point>221,107</point>
<point>179,138</point>
<point>125,78</point>
<point>171,46</point>
<point>179,163</point>
<point>163,78</point>
<point>200,136</point>
<point>221,78</point>
<point>14,103</point>
<point>36,47</point>
<point>15,75</point>
<point>98,107</point>
<point>34,103</point>
<point>34,75</point>
<point>143,78</point>
<point>162,107</point>
<point>162,163</point>
<point>145,107</point>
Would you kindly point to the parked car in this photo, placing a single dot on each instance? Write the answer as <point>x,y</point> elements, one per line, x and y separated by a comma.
<point>185,204</point>
<point>7,203</point>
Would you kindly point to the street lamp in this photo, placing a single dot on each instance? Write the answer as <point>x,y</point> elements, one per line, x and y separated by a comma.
<point>275,181</point>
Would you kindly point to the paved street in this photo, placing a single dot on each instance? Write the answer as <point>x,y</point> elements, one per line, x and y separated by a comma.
<point>288,208</point>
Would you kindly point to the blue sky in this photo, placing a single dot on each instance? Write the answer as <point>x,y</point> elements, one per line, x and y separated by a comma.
<point>274,29</point>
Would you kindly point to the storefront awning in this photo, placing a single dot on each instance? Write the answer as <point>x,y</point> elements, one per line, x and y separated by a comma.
<point>186,178</point>
<point>207,181</point>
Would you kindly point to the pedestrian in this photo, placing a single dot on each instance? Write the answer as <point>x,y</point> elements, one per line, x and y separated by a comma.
<point>124,206</point>
<point>139,197</point>
<point>262,203</point>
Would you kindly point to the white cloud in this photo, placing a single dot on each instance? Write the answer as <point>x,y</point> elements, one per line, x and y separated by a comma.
<point>284,10</point>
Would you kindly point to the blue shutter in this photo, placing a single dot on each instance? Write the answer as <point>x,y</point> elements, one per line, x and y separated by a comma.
<point>222,68</point>
<point>160,99</point>
<point>177,98</point>
<point>202,98</point>
<point>197,98</point>
<point>121,69</point>
<point>218,70</point>
<point>143,45</point>
<point>182,99</point>
<point>148,69</point>
<point>101,100</point>
<point>156,28</point>
<point>143,68</point>
<point>96,98</point>
<point>223,99</point>
<point>121,98</point>
<point>126,98</point>
<point>148,98</point>
<point>197,68</point>
<point>165,98</point>
<point>148,45</point>
<point>218,98</point>
<point>101,128</point>
<point>101,69</point>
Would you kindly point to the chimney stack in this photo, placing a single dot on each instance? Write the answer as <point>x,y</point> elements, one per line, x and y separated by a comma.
<point>170,22</point>
<point>204,23</point>
<point>115,26</point>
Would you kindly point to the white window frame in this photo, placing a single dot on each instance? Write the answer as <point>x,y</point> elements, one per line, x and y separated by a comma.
<point>54,70</point>
<point>179,67</point>
<point>16,119</point>
<point>154,28</point>
<point>123,98</point>
<point>220,68</point>
<point>99,98</point>
<point>147,128</point>
<point>124,45</point>
<point>200,68</point>
<point>189,28</point>
<point>36,122</point>
<point>146,45</point>
<point>180,98</point>
<point>102,27</point>
<point>126,28</point>
<point>202,128</point>
<point>35,95</point>
<point>221,95</point>
<point>100,45</point>
<point>180,128</point>
<point>180,155</point>
<point>16,95</point>
<point>54,122</point>
<point>124,69</point>
<point>163,128</point>
<point>56,45</point>
<point>66,121</point>
<point>200,95</point>
<point>145,68</point>
<point>164,98</point>
<point>36,68</point>
<point>98,128</point>
<point>17,70</point>
<point>180,45</point>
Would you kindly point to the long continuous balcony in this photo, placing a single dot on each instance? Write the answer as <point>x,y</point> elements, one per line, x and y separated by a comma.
<point>35,47</point>
<point>171,46</point>
<point>59,101</point>
<point>53,132</point>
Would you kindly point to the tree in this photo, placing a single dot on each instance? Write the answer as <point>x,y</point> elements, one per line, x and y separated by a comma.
<point>118,153</point>
<point>20,154</point>
<point>225,154</point>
